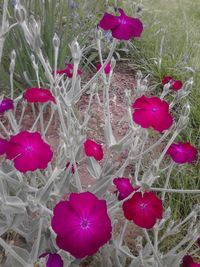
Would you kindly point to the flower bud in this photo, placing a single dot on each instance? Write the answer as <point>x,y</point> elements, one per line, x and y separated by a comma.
<point>20,13</point>
<point>76,51</point>
<point>56,41</point>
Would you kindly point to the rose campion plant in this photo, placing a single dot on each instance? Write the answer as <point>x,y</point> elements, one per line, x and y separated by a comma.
<point>6,104</point>
<point>174,84</point>
<point>92,149</point>
<point>38,95</point>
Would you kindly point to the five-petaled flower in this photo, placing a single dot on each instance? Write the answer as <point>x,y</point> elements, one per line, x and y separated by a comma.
<point>38,95</point>
<point>106,69</point>
<point>182,152</point>
<point>122,27</point>
<point>3,146</point>
<point>143,209</point>
<point>174,84</point>
<point>53,259</point>
<point>152,112</point>
<point>68,71</point>
<point>6,104</point>
<point>188,262</point>
<point>28,151</point>
<point>124,187</point>
<point>92,149</point>
<point>82,224</point>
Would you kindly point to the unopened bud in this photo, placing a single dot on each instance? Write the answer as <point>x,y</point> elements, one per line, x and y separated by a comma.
<point>76,51</point>
<point>56,41</point>
<point>20,13</point>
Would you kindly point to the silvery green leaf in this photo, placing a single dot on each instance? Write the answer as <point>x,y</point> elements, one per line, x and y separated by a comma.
<point>44,195</point>
<point>12,262</point>
<point>93,167</point>
<point>101,186</point>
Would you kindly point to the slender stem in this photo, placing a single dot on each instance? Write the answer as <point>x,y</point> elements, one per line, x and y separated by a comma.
<point>3,25</point>
<point>167,179</point>
<point>171,190</point>
<point>152,247</point>
<point>38,240</point>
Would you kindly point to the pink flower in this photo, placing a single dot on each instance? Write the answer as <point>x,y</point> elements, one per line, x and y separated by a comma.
<point>166,79</point>
<point>106,69</point>
<point>53,260</point>
<point>72,166</point>
<point>38,95</point>
<point>143,209</point>
<point>124,187</point>
<point>152,112</point>
<point>122,27</point>
<point>92,149</point>
<point>6,104</point>
<point>175,84</point>
<point>28,151</point>
<point>3,146</point>
<point>182,152</point>
<point>68,71</point>
<point>82,224</point>
<point>188,262</point>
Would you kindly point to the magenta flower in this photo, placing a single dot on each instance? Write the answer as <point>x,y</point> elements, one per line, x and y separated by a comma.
<point>92,149</point>
<point>28,151</point>
<point>152,112</point>
<point>182,152</point>
<point>38,95</point>
<point>6,104</point>
<point>122,27</point>
<point>68,71</point>
<point>106,69</point>
<point>175,84</point>
<point>3,146</point>
<point>53,260</point>
<point>188,262</point>
<point>124,187</point>
<point>143,209</point>
<point>82,224</point>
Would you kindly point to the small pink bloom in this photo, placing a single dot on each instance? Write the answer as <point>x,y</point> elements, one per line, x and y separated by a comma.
<point>152,112</point>
<point>53,260</point>
<point>122,27</point>
<point>188,262</point>
<point>6,104</point>
<point>92,149</point>
<point>82,224</point>
<point>106,69</point>
<point>38,95</point>
<point>143,209</point>
<point>177,85</point>
<point>72,166</point>
<point>182,152</point>
<point>124,187</point>
<point>28,151</point>
<point>3,146</point>
<point>68,71</point>
<point>166,79</point>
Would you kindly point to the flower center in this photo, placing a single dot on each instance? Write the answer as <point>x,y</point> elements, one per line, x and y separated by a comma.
<point>122,21</point>
<point>29,148</point>
<point>154,109</point>
<point>143,205</point>
<point>84,224</point>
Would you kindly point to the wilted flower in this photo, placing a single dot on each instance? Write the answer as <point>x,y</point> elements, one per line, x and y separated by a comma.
<point>152,112</point>
<point>53,260</point>
<point>28,151</point>
<point>175,84</point>
<point>72,166</point>
<point>38,95</point>
<point>106,69</point>
<point>124,187</point>
<point>6,104</point>
<point>82,224</point>
<point>143,209</point>
<point>182,152</point>
<point>198,241</point>
<point>3,146</point>
<point>68,71</point>
<point>92,149</point>
<point>188,262</point>
<point>122,27</point>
